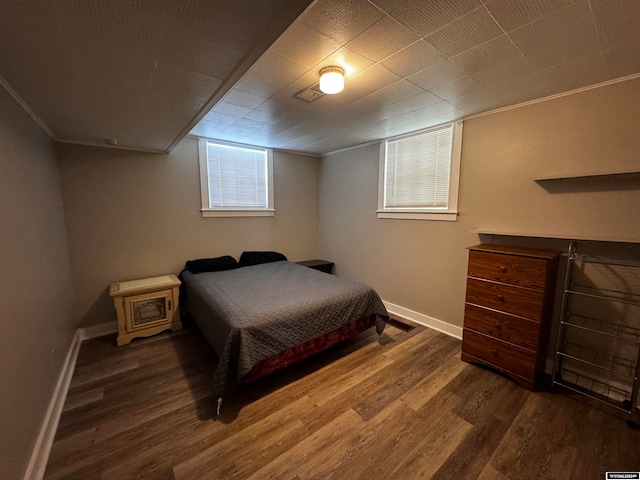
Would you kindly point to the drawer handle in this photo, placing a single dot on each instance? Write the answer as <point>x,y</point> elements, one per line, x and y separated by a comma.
<point>503,269</point>
<point>498,325</point>
<point>501,298</point>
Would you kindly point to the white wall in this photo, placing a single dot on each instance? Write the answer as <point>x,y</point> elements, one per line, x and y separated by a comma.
<point>36,289</point>
<point>421,265</point>
<point>132,215</point>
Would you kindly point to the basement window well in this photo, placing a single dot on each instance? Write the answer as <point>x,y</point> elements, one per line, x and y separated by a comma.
<point>419,174</point>
<point>235,180</point>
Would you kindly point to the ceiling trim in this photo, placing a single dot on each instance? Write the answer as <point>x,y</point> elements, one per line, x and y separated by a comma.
<point>107,145</point>
<point>295,152</point>
<point>554,96</point>
<point>25,107</point>
<point>346,149</point>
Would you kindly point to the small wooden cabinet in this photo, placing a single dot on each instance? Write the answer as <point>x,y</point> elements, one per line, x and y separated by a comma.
<point>146,306</point>
<point>508,310</point>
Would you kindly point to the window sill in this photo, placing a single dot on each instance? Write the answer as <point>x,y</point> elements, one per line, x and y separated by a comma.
<point>445,216</point>
<point>238,213</point>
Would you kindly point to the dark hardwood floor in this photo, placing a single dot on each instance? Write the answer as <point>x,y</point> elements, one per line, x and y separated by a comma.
<point>400,407</point>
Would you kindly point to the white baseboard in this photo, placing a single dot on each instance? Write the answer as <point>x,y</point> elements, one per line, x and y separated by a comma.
<point>96,331</point>
<point>425,320</point>
<point>42,448</point>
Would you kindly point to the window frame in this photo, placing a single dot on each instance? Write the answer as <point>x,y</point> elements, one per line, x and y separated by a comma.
<point>233,211</point>
<point>450,213</point>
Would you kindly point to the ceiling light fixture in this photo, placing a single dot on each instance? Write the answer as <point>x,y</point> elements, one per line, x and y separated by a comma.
<point>331,80</point>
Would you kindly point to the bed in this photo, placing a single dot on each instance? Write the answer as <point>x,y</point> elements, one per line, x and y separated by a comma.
<point>261,318</point>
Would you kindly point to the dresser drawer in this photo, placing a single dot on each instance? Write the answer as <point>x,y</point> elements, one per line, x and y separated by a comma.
<point>515,270</point>
<point>515,300</point>
<point>500,354</point>
<point>502,326</point>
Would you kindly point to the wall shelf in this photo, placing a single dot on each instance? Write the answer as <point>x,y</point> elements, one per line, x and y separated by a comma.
<point>555,235</point>
<point>631,174</point>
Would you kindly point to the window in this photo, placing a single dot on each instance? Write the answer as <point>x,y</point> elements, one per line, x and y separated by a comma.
<point>235,180</point>
<point>419,174</point>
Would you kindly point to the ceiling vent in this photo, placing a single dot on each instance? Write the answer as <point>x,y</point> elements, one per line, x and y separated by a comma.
<point>310,94</point>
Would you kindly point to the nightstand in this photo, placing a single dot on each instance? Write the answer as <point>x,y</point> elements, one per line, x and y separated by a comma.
<point>321,265</point>
<point>146,306</point>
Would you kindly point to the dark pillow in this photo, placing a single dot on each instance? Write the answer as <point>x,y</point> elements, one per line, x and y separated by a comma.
<point>217,264</point>
<point>256,258</point>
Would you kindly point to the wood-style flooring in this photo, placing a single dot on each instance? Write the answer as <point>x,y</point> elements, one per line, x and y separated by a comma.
<point>401,406</point>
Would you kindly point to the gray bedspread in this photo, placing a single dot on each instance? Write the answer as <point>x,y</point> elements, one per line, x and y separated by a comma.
<point>252,313</point>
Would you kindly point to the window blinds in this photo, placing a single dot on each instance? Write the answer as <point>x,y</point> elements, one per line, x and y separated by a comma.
<point>418,169</point>
<point>237,177</point>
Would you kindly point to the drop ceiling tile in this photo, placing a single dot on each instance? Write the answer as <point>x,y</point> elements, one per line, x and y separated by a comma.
<point>624,60</point>
<point>243,99</point>
<point>231,109</point>
<point>618,21</point>
<point>454,114</point>
<point>210,21</point>
<point>557,38</point>
<point>388,5</point>
<point>382,39</point>
<point>398,91</point>
<point>277,67</point>
<point>464,33</point>
<point>218,64</point>
<point>436,109</point>
<point>421,100</point>
<point>329,103</point>
<point>440,73</point>
<point>234,131</point>
<point>522,96</point>
<point>221,118</point>
<point>341,20</point>
<point>304,45</point>
<point>391,111</point>
<point>301,131</point>
<point>455,88</point>
<point>275,108</point>
<point>205,128</point>
<point>416,57</point>
<point>295,117</point>
<point>424,17</point>
<point>258,85</point>
<point>273,130</point>
<point>261,116</point>
<point>402,120</point>
<point>352,62</point>
<point>245,122</point>
<point>477,101</point>
<point>308,79</point>
<point>513,67</point>
<point>372,79</point>
<point>281,140</point>
<point>486,55</point>
<point>588,70</point>
<point>299,143</point>
<point>521,86</point>
<point>512,14</point>
<point>368,104</point>
<point>286,97</point>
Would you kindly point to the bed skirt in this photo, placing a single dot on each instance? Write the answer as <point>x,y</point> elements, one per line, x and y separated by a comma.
<point>307,349</point>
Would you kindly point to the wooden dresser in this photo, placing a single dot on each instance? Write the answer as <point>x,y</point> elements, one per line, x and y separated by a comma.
<point>508,310</point>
